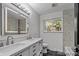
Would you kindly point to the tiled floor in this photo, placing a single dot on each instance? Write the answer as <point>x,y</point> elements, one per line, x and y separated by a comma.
<point>54,53</point>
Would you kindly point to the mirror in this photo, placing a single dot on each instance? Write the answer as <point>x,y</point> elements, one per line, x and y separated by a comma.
<point>15,23</point>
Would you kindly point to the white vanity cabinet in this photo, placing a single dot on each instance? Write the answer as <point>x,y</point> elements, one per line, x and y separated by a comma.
<point>24,52</point>
<point>39,48</point>
<point>33,49</point>
<point>23,48</point>
<point>36,49</point>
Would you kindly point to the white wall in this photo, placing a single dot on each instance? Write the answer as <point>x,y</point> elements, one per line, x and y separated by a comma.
<point>58,41</point>
<point>54,40</point>
<point>33,21</point>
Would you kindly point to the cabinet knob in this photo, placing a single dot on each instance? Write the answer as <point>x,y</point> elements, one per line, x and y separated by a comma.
<point>20,55</point>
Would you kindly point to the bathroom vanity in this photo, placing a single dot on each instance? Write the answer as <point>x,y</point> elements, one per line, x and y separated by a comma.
<point>31,47</point>
<point>14,21</point>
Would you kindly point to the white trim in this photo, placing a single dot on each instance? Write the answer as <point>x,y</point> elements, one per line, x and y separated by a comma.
<point>5,19</point>
<point>12,31</point>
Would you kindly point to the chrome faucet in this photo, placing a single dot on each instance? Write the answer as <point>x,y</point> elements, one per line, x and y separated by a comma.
<point>8,38</point>
<point>29,37</point>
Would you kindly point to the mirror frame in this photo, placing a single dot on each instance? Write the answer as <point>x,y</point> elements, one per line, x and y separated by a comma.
<point>5,22</point>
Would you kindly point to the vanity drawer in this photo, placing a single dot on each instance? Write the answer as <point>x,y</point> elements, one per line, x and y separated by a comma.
<point>34,54</point>
<point>33,49</point>
<point>36,49</point>
<point>33,46</point>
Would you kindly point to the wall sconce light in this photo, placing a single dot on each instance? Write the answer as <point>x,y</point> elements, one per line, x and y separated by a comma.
<point>20,6</point>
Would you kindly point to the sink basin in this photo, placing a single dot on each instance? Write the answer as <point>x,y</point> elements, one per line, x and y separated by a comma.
<point>11,47</point>
<point>26,42</point>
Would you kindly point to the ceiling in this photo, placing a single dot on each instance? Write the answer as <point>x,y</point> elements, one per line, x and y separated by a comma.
<point>44,8</point>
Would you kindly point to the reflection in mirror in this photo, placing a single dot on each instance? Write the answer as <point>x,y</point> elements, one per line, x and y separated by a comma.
<point>21,26</point>
<point>15,23</point>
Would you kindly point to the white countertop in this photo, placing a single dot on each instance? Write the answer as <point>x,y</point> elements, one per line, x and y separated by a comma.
<point>13,48</point>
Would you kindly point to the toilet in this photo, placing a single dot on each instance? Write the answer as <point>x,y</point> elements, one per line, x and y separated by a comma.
<point>45,47</point>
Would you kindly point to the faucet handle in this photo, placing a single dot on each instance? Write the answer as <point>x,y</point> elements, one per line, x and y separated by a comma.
<point>9,40</point>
